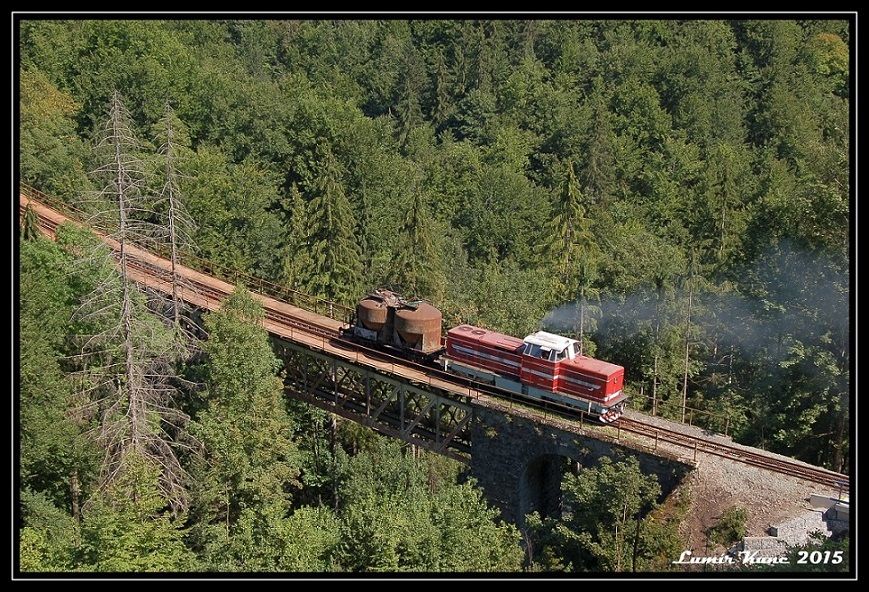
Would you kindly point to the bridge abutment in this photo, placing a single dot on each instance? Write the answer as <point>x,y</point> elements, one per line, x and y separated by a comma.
<point>520,463</point>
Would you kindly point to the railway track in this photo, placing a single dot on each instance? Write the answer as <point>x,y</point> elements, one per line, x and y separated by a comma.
<point>738,453</point>
<point>210,290</point>
<point>216,294</point>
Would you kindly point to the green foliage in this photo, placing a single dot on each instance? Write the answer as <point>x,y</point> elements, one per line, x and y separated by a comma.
<point>230,204</point>
<point>29,230</point>
<point>296,258</point>
<point>127,527</point>
<point>417,266</point>
<point>242,480</point>
<point>52,446</point>
<point>265,541</point>
<point>729,528</point>
<point>335,259</point>
<point>312,537</point>
<point>93,58</point>
<point>49,536</point>
<point>51,153</point>
<point>572,247</point>
<point>394,520</point>
<point>660,541</point>
<point>32,551</point>
<point>829,56</point>
<point>603,522</point>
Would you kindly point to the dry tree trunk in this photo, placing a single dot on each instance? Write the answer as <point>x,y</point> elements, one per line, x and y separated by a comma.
<point>687,339</point>
<point>126,364</point>
<point>179,229</point>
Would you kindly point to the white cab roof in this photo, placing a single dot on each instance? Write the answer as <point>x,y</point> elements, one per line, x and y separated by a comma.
<point>550,341</point>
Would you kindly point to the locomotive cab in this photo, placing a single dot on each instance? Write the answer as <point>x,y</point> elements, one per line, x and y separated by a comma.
<point>550,347</point>
<point>541,357</point>
<point>553,364</point>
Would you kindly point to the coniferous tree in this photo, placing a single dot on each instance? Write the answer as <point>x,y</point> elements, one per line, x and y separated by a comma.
<point>124,358</point>
<point>335,267</point>
<point>49,536</point>
<point>178,229</point>
<point>29,229</point>
<point>598,173</point>
<point>573,249</point>
<point>409,108</point>
<point>52,155</point>
<point>296,259</point>
<point>127,527</point>
<point>242,480</point>
<point>56,459</point>
<point>416,268</point>
<point>443,101</point>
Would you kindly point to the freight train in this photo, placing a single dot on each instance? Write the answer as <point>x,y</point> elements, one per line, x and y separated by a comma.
<point>543,366</point>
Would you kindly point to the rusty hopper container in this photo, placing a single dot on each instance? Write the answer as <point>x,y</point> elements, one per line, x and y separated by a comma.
<point>419,327</point>
<point>372,313</point>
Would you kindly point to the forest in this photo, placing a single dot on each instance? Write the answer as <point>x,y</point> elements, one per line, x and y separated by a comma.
<point>674,193</point>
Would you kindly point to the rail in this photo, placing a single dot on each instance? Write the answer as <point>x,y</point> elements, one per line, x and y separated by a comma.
<point>506,400</point>
<point>331,309</point>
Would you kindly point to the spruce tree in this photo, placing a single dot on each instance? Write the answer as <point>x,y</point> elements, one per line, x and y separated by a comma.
<point>250,463</point>
<point>177,225</point>
<point>296,262</point>
<point>417,271</point>
<point>336,270</point>
<point>444,106</point>
<point>124,363</point>
<point>127,527</point>
<point>573,250</point>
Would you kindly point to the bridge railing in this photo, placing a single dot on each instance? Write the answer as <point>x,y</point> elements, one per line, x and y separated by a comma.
<point>51,201</point>
<point>333,310</point>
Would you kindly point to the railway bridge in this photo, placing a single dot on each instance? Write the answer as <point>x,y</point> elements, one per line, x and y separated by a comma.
<point>516,450</point>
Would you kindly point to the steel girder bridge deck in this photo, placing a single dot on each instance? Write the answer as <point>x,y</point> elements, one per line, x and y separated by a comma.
<point>420,416</point>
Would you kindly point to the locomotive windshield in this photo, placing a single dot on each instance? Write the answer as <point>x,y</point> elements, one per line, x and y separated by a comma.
<point>551,347</point>
<point>536,351</point>
<point>544,353</point>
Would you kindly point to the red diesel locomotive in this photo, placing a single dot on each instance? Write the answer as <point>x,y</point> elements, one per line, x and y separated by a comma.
<point>543,366</point>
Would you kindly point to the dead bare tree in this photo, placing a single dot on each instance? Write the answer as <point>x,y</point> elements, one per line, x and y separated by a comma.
<point>125,364</point>
<point>176,233</point>
<point>690,282</point>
